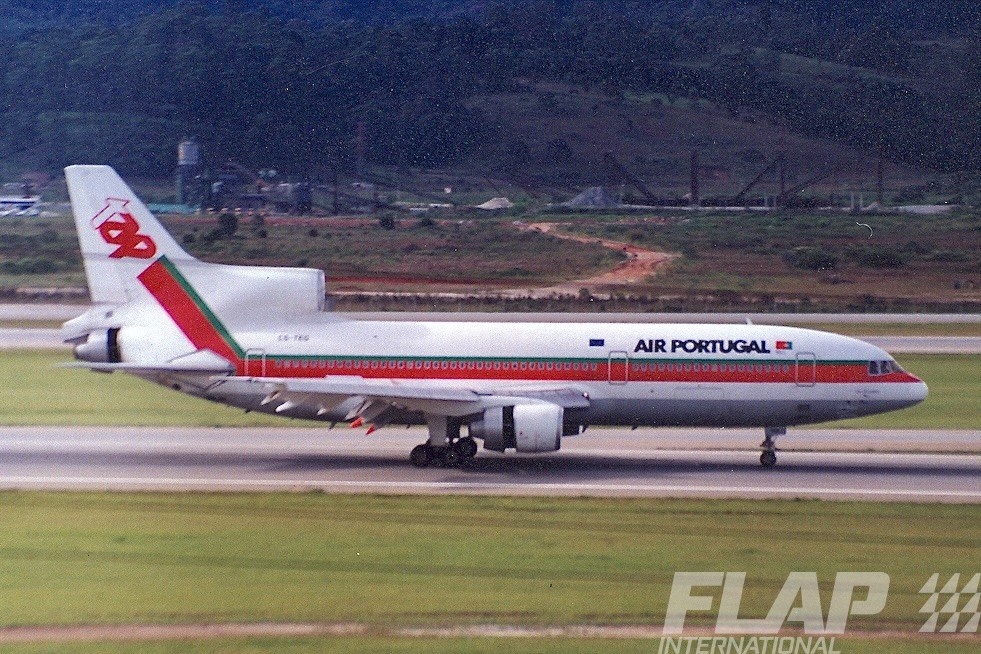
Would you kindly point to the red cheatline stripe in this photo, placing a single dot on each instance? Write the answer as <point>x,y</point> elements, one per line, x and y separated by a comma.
<point>184,312</point>
<point>401,368</point>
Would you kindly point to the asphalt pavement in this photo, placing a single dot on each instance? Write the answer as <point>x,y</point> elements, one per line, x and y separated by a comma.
<point>888,465</point>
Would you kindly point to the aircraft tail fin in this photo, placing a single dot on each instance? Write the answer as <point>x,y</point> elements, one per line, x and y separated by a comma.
<point>117,233</point>
<point>129,256</point>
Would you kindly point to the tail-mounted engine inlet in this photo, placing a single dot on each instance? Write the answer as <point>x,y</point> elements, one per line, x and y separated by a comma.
<point>100,347</point>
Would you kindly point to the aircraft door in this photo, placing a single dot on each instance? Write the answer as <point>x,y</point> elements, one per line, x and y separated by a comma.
<point>618,367</point>
<point>805,370</point>
<point>255,362</point>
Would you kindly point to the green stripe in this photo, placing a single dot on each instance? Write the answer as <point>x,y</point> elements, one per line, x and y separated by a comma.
<point>199,302</point>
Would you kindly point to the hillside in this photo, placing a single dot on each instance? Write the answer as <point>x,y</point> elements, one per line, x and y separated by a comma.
<point>556,137</point>
<point>531,91</point>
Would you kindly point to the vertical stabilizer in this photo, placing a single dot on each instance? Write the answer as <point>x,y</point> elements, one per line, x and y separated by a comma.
<point>130,257</point>
<point>119,237</point>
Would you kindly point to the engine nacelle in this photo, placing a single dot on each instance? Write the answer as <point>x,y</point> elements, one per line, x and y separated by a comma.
<point>525,427</point>
<point>100,347</point>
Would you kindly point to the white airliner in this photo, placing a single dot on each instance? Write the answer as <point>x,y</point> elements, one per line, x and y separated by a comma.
<point>259,338</point>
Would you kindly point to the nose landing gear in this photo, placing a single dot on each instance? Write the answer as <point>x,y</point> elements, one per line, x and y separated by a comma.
<point>768,458</point>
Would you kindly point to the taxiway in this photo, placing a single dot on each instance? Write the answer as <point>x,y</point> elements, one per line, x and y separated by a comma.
<point>880,465</point>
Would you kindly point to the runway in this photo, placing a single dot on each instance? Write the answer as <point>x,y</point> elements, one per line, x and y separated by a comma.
<point>881,465</point>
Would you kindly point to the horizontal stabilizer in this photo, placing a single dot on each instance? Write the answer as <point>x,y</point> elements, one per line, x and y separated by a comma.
<point>202,361</point>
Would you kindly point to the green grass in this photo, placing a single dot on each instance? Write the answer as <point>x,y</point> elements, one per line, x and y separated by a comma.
<point>723,251</point>
<point>93,558</point>
<point>898,328</point>
<point>38,393</point>
<point>388,645</point>
<point>457,251</point>
<point>373,645</point>
<point>954,401</point>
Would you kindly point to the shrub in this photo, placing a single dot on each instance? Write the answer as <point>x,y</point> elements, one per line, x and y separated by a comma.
<point>227,224</point>
<point>29,266</point>
<point>810,258</point>
<point>876,256</point>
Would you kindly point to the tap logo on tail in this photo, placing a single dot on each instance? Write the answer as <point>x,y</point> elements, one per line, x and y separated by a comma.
<point>117,227</point>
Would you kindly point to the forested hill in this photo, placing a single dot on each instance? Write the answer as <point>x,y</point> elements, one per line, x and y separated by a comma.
<point>286,84</point>
<point>930,16</point>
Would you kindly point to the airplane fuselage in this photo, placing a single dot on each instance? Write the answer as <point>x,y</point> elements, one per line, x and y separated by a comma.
<point>635,374</point>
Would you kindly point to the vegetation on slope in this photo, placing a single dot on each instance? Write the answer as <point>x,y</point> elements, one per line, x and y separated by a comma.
<point>288,88</point>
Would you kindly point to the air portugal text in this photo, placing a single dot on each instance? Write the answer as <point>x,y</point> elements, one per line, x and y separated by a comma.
<point>699,346</point>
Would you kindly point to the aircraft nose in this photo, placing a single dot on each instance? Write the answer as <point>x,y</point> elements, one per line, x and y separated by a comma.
<point>913,392</point>
<point>922,390</point>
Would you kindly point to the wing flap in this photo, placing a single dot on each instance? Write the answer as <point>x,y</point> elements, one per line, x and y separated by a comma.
<point>374,396</point>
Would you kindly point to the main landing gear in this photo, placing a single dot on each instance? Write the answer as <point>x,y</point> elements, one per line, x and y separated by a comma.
<point>768,458</point>
<point>447,456</point>
<point>444,448</point>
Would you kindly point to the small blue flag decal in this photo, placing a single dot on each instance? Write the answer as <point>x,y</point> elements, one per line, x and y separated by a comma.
<point>596,342</point>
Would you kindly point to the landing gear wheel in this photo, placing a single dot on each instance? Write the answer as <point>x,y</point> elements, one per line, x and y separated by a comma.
<point>421,456</point>
<point>768,458</point>
<point>449,457</point>
<point>466,447</point>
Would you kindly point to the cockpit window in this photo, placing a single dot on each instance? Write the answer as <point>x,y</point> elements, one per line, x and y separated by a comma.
<point>883,367</point>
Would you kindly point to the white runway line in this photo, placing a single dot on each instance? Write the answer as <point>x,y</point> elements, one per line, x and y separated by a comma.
<point>476,487</point>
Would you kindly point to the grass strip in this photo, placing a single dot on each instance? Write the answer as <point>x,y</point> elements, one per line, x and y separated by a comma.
<point>389,645</point>
<point>860,329</point>
<point>100,558</point>
<point>954,401</point>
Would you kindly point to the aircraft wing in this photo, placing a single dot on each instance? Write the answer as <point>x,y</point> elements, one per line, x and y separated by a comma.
<point>378,395</point>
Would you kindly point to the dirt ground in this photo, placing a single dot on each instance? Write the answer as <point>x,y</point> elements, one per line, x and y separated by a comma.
<point>641,263</point>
